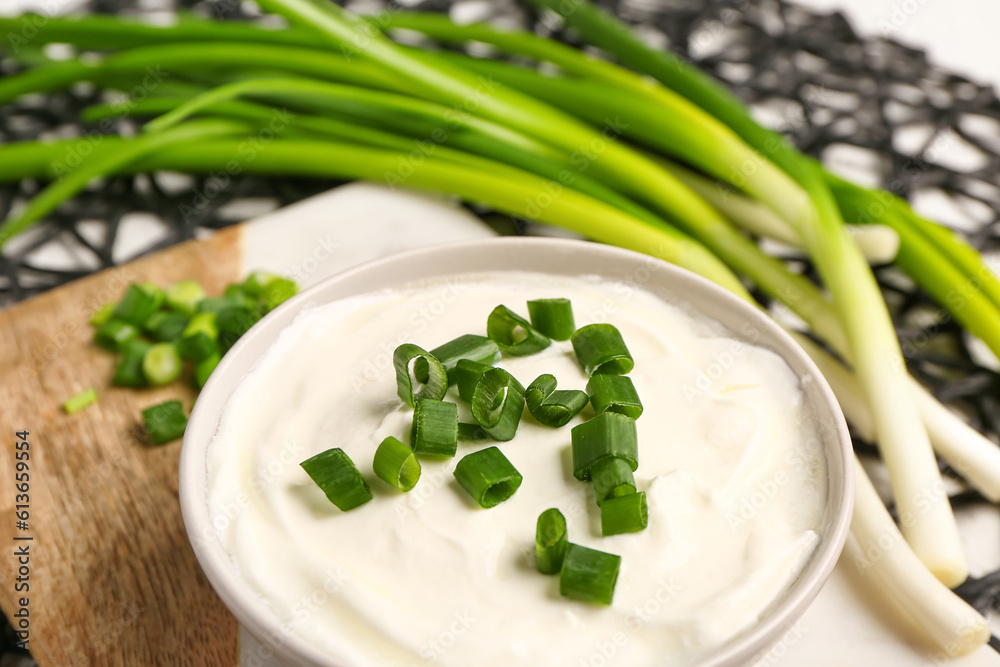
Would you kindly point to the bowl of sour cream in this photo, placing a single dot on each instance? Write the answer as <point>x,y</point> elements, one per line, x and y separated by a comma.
<point>745,460</point>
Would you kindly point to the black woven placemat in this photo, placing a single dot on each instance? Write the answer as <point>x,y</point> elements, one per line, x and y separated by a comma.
<point>835,93</point>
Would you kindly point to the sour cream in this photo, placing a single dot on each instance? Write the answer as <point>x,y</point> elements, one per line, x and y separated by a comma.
<point>729,457</point>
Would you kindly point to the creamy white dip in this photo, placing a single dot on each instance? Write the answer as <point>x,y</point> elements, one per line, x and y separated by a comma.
<point>728,455</point>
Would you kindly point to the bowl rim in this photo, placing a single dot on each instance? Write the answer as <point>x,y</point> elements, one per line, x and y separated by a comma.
<point>254,614</point>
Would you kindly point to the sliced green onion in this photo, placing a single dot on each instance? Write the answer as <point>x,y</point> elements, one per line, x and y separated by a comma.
<point>436,386</point>
<point>200,338</point>
<point>232,322</point>
<point>608,434</point>
<point>467,374</point>
<point>335,473</point>
<point>552,317</point>
<point>589,575</point>
<point>471,347</point>
<point>162,364</point>
<point>115,334</point>
<point>551,540</point>
<point>600,349</point>
<point>612,478</point>
<point>550,406</point>
<point>435,428</point>
<point>165,326</point>
<point>164,422</point>
<point>82,400</point>
<point>103,314</point>
<point>488,476</point>
<point>203,369</point>
<point>184,295</point>
<point>514,334</point>
<point>138,304</point>
<point>275,293</point>
<point>624,514</point>
<point>614,393</point>
<point>396,464</point>
<point>471,432</point>
<point>129,373</point>
<point>497,403</point>
<point>255,283</point>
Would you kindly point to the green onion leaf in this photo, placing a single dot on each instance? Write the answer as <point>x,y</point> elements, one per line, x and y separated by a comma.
<point>203,369</point>
<point>608,434</point>
<point>600,349</point>
<point>139,302</point>
<point>497,403</point>
<point>214,304</point>
<point>165,326</point>
<point>80,401</point>
<point>612,478</point>
<point>275,293</point>
<point>589,575</point>
<point>467,374</point>
<point>479,349</point>
<point>396,464</point>
<point>552,317</point>
<point>435,428</point>
<point>513,334</point>
<point>614,393</point>
<point>551,540</point>
<point>488,476</point>
<point>624,514</point>
<point>165,422</point>
<point>404,359</point>
<point>335,473</point>
<point>471,432</point>
<point>115,334</point>
<point>553,407</point>
<point>162,364</point>
<point>184,295</point>
<point>103,314</point>
<point>238,295</point>
<point>129,373</point>
<point>200,338</point>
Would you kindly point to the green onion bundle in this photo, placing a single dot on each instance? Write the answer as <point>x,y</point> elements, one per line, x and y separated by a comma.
<point>357,113</point>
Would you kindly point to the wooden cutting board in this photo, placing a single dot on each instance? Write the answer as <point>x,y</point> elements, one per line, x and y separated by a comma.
<point>113,580</point>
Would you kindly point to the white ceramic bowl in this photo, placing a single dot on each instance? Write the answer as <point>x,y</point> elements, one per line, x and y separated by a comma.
<point>554,256</point>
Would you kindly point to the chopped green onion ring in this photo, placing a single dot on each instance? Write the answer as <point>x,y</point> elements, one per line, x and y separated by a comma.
<point>589,575</point>
<point>184,295</point>
<point>552,317</point>
<point>129,373</point>
<point>200,338</point>
<point>614,393</point>
<point>467,374</point>
<point>82,400</point>
<point>396,464</point>
<point>162,364</point>
<point>115,334</point>
<point>335,473</point>
<point>600,349</point>
<point>479,349</point>
<point>164,422</point>
<point>488,476</point>
<point>551,540</point>
<point>436,386</point>
<point>497,403</point>
<point>103,314</point>
<point>138,303</point>
<point>166,326</point>
<point>204,368</point>
<point>514,334</point>
<point>552,407</point>
<point>612,478</point>
<point>435,428</point>
<point>624,514</point>
<point>608,434</point>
